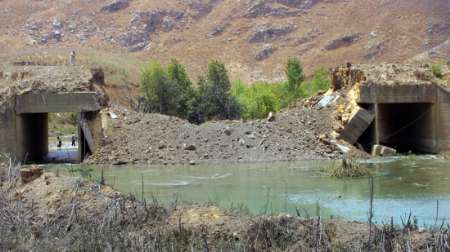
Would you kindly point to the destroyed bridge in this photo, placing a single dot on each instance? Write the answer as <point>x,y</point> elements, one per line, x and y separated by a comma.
<point>30,93</point>
<point>404,107</point>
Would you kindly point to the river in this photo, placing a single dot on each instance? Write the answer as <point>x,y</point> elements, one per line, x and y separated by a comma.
<point>416,185</point>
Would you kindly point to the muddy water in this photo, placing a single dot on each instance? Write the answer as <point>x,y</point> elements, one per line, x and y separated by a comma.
<point>401,186</point>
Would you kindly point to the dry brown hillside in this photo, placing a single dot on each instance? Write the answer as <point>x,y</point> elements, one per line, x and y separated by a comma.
<point>253,37</point>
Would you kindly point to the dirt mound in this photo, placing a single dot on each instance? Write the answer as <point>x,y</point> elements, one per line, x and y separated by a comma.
<point>296,134</point>
<point>18,80</point>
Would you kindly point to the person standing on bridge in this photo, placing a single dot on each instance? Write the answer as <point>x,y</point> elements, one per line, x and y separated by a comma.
<point>72,58</point>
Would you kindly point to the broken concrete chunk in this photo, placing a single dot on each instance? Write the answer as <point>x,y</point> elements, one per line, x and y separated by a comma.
<point>271,117</point>
<point>380,150</point>
<point>189,147</point>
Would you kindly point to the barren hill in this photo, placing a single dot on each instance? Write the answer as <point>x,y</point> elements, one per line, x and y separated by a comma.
<point>253,37</point>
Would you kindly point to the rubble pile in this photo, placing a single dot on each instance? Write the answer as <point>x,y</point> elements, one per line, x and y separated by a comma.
<point>19,80</point>
<point>296,134</point>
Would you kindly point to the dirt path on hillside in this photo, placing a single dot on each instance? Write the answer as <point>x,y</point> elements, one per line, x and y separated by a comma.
<point>297,134</point>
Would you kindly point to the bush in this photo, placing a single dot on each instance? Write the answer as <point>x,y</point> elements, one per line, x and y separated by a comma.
<point>167,91</point>
<point>161,93</point>
<point>177,73</point>
<point>214,99</point>
<point>437,71</point>
<point>295,75</point>
<point>320,82</point>
<point>257,100</point>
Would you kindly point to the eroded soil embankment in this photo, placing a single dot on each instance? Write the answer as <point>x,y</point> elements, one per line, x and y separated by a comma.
<point>296,134</point>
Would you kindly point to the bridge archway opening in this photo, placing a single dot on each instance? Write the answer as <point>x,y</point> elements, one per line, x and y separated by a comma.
<point>46,138</point>
<point>407,127</point>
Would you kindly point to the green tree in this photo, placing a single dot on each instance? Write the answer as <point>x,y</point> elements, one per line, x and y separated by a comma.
<point>177,73</point>
<point>214,99</point>
<point>161,93</point>
<point>216,94</point>
<point>295,75</point>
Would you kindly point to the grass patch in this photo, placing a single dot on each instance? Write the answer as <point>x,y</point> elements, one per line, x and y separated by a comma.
<point>347,168</point>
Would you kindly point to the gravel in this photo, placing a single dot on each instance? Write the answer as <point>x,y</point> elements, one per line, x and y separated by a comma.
<point>296,134</point>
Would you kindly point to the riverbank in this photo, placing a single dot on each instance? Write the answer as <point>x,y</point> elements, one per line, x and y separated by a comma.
<point>56,212</point>
<point>298,133</point>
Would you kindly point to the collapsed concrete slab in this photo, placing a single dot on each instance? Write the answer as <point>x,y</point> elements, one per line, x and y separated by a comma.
<point>357,125</point>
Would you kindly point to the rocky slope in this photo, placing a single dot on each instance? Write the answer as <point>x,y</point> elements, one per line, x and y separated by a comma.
<point>253,37</point>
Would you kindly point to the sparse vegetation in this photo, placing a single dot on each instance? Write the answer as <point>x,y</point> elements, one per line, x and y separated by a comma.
<point>347,168</point>
<point>437,70</point>
<point>90,220</point>
<point>258,99</point>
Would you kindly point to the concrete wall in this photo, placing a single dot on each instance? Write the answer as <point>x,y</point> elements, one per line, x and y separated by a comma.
<point>56,102</point>
<point>444,120</point>
<point>397,94</point>
<point>8,128</point>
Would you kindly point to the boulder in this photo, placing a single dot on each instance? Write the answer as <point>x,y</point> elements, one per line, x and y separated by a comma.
<point>267,34</point>
<point>189,147</point>
<point>216,31</point>
<point>344,41</point>
<point>380,150</point>
<point>116,5</point>
<point>264,9</point>
<point>28,175</point>
<point>265,53</point>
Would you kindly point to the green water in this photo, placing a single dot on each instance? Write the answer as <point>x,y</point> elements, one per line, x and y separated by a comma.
<point>401,186</point>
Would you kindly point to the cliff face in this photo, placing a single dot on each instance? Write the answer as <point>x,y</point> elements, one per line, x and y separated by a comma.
<point>320,32</point>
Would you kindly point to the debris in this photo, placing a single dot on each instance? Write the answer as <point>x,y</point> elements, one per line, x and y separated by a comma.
<point>29,174</point>
<point>189,147</point>
<point>380,150</point>
<point>271,117</point>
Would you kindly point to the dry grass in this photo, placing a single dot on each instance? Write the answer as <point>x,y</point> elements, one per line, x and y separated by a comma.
<point>123,223</point>
<point>347,168</point>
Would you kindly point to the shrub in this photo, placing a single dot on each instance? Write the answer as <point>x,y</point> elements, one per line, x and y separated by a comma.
<point>320,82</point>
<point>295,75</point>
<point>177,73</point>
<point>161,92</point>
<point>437,71</point>
<point>214,99</point>
<point>257,100</point>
